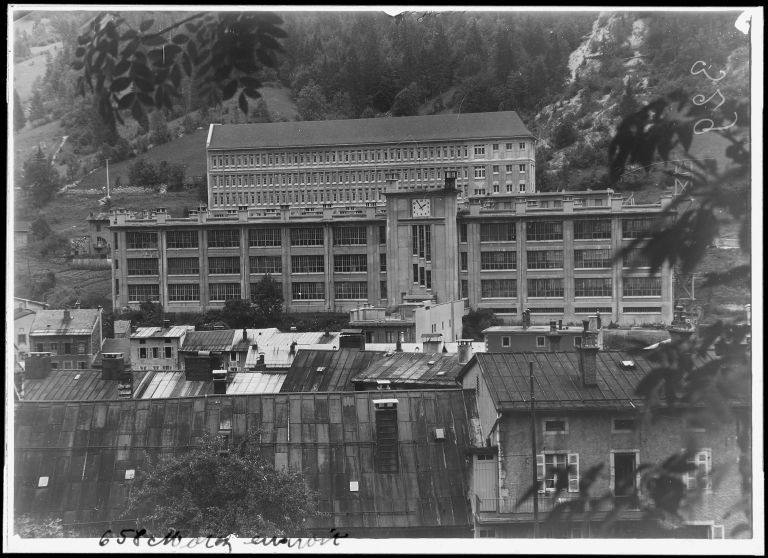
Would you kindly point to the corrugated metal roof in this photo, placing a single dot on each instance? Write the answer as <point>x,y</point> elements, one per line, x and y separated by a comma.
<point>454,127</point>
<point>258,336</point>
<point>216,340</point>
<point>51,322</point>
<point>557,381</point>
<point>277,348</point>
<point>413,368</point>
<point>85,449</point>
<point>163,384</point>
<point>74,385</point>
<point>323,370</point>
<point>173,331</point>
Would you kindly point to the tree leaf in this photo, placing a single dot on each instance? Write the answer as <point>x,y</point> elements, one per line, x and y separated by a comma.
<point>180,39</point>
<point>243,102</point>
<point>120,84</point>
<point>146,24</point>
<point>250,82</point>
<point>126,101</point>
<point>153,40</point>
<point>229,90</point>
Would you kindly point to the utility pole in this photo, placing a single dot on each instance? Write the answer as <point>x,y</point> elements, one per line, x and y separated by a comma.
<point>533,459</point>
<point>107,178</point>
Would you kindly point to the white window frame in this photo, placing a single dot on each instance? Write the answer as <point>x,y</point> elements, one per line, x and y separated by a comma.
<point>541,341</point>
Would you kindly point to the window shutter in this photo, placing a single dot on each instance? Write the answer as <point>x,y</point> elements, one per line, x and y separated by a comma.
<point>612,473</point>
<point>540,471</point>
<point>573,472</point>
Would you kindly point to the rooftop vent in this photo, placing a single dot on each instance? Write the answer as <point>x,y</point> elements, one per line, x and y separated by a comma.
<point>628,364</point>
<point>439,433</point>
<point>383,384</point>
<point>320,369</point>
<point>430,362</point>
<point>385,403</point>
<point>441,373</point>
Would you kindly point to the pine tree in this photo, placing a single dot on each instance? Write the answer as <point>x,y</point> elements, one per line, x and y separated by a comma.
<point>41,181</point>
<point>36,107</point>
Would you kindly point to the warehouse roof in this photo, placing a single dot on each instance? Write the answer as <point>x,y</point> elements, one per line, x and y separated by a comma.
<point>323,370</point>
<point>76,459</point>
<point>402,129</point>
<point>164,383</point>
<point>74,385</point>
<point>215,340</point>
<point>436,369</point>
<point>52,322</point>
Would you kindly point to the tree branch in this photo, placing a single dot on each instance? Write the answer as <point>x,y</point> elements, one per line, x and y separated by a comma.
<point>175,25</point>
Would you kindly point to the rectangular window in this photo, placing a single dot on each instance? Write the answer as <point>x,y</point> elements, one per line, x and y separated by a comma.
<point>227,238</point>
<point>140,293</point>
<point>308,264</point>
<point>349,236</point>
<point>142,352</point>
<point>183,292</point>
<point>386,440</point>
<point>623,425</point>
<point>559,426</point>
<point>415,273</point>
<point>554,467</point>
<point>594,286</point>
<point>463,261</point>
<point>522,145</point>
<point>351,263</point>
<point>593,229</point>
<point>307,236</point>
<point>521,168</point>
<point>642,286</point>
<point>422,277</point>
<point>219,265</point>
<point>429,278</point>
<point>350,290</point>
<point>498,288</point>
<point>498,260</point>
<point>264,237</point>
<point>428,242</point>
<point>479,172</point>
<point>221,292</point>
<point>142,266</point>
<point>181,239</point>
<point>382,234</point>
<point>635,259</point>
<point>506,341</point>
<point>382,262</point>
<point>637,228</point>
<point>479,151</point>
<point>383,289</point>
<point>136,240</point>
<point>308,291</point>
<point>415,240</point>
<point>464,288</point>
<point>155,352</point>
<point>544,230</point>
<point>551,288</point>
<point>497,232</point>
<point>67,348</point>
<point>462,232</point>
<point>183,266</point>
<point>541,341</point>
<point>592,259</point>
<point>266,264</point>
<point>545,259</point>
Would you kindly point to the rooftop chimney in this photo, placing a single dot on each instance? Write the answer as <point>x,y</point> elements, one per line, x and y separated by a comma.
<point>559,324</point>
<point>552,326</point>
<point>245,335</point>
<point>292,350</point>
<point>399,344</point>
<point>588,356</point>
<point>465,350</point>
<point>67,317</point>
<point>526,319</point>
<point>112,366</point>
<point>554,336</point>
<point>166,324</point>
<point>125,384</point>
<point>77,304</point>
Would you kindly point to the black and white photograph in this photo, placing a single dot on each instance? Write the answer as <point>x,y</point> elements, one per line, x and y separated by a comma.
<point>399,279</point>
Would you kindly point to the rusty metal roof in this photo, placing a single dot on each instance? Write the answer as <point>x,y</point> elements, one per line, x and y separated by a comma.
<point>74,385</point>
<point>215,340</point>
<point>436,369</point>
<point>323,370</point>
<point>85,449</point>
<point>164,383</point>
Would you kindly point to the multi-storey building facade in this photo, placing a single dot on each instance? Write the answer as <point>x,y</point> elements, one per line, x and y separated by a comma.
<point>427,231</point>
<point>73,337</point>
<point>347,161</point>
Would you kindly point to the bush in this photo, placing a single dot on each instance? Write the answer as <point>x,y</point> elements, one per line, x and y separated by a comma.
<point>564,134</point>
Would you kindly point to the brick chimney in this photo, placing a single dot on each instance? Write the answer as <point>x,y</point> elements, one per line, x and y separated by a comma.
<point>399,344</point>
<point>554,336</point>
<point>67,316</point>
<point>588,356</point>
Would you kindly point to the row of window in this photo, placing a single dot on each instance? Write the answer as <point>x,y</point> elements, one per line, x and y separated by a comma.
<point>356,155</point>
<point>219,292</point>
<point>144,352</point>
<point>583,287</point>
<point>357,235</point>
<point>65,348</point>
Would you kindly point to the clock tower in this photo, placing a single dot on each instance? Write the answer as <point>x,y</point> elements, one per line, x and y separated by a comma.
<point>422,243</point>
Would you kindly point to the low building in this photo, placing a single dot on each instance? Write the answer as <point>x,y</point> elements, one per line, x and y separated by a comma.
<point>538,338</point>
<point>25,303</point>
<point>588,414</point>
<point>410,371</point>
<point>22,325</point>
<point>278,351</point>
<point>157,348</point>
<point>98,235</point>
<point>78,460</point>
<point>410,323</point>
<point>72,336</point>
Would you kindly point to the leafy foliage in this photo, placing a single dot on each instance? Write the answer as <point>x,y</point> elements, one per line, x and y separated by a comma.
<point>130,68</point>
<point>474,322</point>
<point>31,527</point>
<point>268,298</point>
<point>41,181</point>
<point>217,488</point>
<point>19,120</point>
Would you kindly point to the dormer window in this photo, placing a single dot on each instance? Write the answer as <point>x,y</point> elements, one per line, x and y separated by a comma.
<point>386,435</point>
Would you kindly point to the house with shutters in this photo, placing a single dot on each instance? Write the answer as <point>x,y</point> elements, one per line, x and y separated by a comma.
<point>157,348</point>
<point>587,413</point>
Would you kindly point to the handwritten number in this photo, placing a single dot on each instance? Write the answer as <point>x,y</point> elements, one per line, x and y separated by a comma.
<point>699,100</point>
<point>104,540</point>
<point>704,71</point>
<point>712,126</point>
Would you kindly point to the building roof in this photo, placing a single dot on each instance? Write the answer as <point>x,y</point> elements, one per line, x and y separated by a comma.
<point>163,384</point>
<point>74,385</point>
<point>259,336</point>
<point>51,322</point>
<point>277,348</point>
<point>413,368</point>
<point>557,380</point>
<point>450,346</point>
<point>215,340</point>
<point>323,370</point>
<point>19,313</point>
<point>119,345</point>
<point>402,129</point>
<point>531,329</point>
<point>173,331</point>
<point>86,448</point>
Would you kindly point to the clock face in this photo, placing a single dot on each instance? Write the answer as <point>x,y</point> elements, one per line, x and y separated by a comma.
<point>421,208</point>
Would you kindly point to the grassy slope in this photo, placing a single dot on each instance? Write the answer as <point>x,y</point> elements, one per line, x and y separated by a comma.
<point>25,73</point>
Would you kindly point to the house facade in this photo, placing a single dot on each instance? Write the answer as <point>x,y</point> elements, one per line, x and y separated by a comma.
<point>583,422</point>
<point>72,336</point>
<point>157,348</point>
